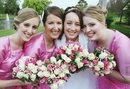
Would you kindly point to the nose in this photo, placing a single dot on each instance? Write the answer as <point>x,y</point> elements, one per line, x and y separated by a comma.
<point>87,29</point>
<point>72,27</point>
<point>30,29</point>
<point>55,26</point>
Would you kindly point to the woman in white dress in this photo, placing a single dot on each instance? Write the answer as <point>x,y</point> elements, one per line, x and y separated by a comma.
<point>73,24</point>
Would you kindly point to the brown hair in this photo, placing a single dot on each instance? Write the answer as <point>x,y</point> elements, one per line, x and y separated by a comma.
<point>25,14</point>
<point>52,10</point>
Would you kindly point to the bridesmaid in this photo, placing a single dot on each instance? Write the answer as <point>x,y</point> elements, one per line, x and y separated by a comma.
<point>42,46</point>
<point>11,47</point>
<point>73,23</point>
<point>117,43</point>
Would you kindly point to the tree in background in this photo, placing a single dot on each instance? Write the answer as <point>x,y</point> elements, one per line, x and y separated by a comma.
<point>127,14</point>
<point>38,5</point>
<point>11,6</point>
<point>2,8</point>
<point>82,4</point>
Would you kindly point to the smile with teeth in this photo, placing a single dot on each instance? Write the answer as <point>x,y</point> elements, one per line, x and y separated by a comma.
<point>28,35</point>
<point>55,32</point>
<point>90,34</point>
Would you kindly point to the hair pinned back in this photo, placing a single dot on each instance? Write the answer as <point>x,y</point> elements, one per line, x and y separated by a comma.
<point>96,12</point>
<point>71,8</point>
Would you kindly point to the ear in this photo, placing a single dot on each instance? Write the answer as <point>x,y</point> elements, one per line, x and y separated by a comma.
<point>103,23</point>
<point>16,25</point>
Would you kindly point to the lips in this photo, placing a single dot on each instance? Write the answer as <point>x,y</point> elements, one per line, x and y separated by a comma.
<point>27,35</point>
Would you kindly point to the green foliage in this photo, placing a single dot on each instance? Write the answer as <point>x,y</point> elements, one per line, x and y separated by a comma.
<point>127,14</point>
<point>11,7</point>
<point>2,9</point>
<point>38,5</point>
<point>109,19</point>
<point>82,4</point>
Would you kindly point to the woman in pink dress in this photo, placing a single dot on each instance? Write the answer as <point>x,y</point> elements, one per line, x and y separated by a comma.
<point>11,47</point>
<point>42,45</point>
<point>117,43</point>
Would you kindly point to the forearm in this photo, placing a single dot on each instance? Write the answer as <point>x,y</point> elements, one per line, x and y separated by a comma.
<point>9,83</point>
<point>116,75</point>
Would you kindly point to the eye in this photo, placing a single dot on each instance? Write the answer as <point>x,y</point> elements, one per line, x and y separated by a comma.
<point>50,23</point>
<point>35,27</point>
<point>77,24</point>
<point>26,24</point>
<point>84,26</point>
<point>92,24</point>
<point>59,22</point>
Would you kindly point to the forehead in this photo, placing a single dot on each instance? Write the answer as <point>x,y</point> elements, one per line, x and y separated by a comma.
<point>72,15</point>
<point>89,19</point>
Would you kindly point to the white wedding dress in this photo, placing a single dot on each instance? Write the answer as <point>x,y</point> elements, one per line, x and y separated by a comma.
<point>83,79</point>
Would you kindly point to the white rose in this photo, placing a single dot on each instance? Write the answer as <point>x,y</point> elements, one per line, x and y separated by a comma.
<point>64,66</point>
<point>100,64</point>
<point>70,46</point>
<point>52,76</point>
<point>85,52</point>
<point>34,69</point>
<point>53,59</point>
<point>59,62</point>
<point>80,54</point>
<point>22,66</point>
<point>67,59</point>
<point>96,73</point>
<point>40,74</point>
<point>33,77</point>
<point>110,65</point>
<point>91,65</point>
<point>77,60</point>
<point>61,82</point>
<point>97,68</point>
<point>39,62</point>
<point>20,75</point>
<point>68,51</point>
<point>66,71</point>
<point>62,75</point>
<point>46,74</point>
<point>114,63</point>
<point>102,74</point>
<point>57,71</point>
<point>54,86</point>
<point>91,56</point>
<point>26,76</point>
<point>43,68</point>
<point>80,64</point>
<point>103,55</point>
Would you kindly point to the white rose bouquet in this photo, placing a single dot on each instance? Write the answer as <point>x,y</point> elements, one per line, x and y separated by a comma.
<point>72,54</point>
<point>53,72</point>
<point>101,61</point>
<point>26,69</point>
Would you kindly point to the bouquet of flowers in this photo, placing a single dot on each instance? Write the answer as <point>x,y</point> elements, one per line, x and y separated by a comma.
<point>73,55</point>
<point>50,71</point>
<point>101,61</point>
<point>26,69</point>
<point>53,72</point>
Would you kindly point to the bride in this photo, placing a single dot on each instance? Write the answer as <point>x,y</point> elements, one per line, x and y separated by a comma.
<point>72,31</point>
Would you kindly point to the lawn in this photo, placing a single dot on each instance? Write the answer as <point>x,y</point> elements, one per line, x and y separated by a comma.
<point>11,31</point>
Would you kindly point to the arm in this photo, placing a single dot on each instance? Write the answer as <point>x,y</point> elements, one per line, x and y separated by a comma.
<point>9,83</point>
<point>122,57</point>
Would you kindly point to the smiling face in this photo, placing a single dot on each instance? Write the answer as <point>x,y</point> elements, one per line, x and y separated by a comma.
<point>93,29</point>
<point>28,28</point>
<point>72,26</point>
<point>53,27</point>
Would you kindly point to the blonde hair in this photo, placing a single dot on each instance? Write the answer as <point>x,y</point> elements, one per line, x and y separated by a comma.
<point>96,12</point>
<point>25,14</point>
